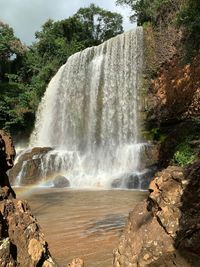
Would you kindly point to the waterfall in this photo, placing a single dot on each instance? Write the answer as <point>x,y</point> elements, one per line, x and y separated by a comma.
<point>90,111</point>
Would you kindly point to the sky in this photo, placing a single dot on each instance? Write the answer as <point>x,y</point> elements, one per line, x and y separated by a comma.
<point>27,16</point>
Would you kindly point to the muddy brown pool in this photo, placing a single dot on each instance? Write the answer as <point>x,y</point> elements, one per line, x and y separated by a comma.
<point>85,224</point>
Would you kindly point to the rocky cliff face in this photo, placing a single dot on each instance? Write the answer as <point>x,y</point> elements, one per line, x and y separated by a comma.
<point>175,91</point>
<point>22,243</point>
<point>165,231</point>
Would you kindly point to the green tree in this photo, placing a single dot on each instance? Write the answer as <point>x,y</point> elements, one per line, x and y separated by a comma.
<point>9,44</point>
<point>27,71</point>
<point>59,40</point>
<point>154,11</point>
<point>11,49</point>
<point>189,18</point>
<point>99,24</point>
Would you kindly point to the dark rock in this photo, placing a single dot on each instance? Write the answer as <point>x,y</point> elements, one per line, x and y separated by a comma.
<point>60,182</point>
<point>147,176</point>
<point>149,155</point>
<point>133,182</point>
<point>139,180</point>
<point>117,183</point>
<point>7,154</point>
<point>7,158</point>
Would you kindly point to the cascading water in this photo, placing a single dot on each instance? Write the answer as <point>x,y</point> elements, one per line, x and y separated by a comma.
<point>89,114</point>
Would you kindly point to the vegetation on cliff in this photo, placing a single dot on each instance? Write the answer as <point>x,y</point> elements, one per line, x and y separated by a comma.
<point>171,85</point>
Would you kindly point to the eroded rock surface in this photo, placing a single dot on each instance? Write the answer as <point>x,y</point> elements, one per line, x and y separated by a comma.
<point>22,243</point>
<point>175,92</point>
<point>165,231</point>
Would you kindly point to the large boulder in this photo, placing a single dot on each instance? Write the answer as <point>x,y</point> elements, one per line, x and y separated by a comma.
<point>164,231</point>
<point>30,163</point>
<point>22,243</point>
<point>60,182</point>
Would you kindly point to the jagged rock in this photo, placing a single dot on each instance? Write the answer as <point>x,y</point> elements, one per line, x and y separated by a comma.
<point>9,151</point>
<point>7,154</point>
<point>22,243</point>
<point>61,181</point>
<point>76,263</point>
<point>168,233</point>
<point>33,158</point>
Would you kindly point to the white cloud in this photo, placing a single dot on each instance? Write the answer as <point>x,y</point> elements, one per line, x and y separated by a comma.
<point>26,17</point>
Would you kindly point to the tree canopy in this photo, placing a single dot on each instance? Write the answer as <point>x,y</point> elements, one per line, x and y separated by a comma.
<point>184,14</point>
<point>26,71</point>
<point>189,18</point>
<point>154,11</point>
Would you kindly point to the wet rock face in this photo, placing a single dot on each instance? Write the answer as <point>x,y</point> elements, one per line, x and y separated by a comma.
<point>138,180</point>
<point>60,182</point>
<point>149,156</point>
<point>22,243</point>
<point>168,233</point>
<point>33,159</point>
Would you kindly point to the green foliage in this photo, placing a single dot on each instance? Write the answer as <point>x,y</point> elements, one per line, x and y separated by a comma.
<point>25,72</point>
<point>154,134</point>
<point>9,44</point>
<point>59,40</point>
<point>154,11</point>
<point>99,24</point>
<point>184,154</point>
<point>15,106</point>
<point>189,18</point>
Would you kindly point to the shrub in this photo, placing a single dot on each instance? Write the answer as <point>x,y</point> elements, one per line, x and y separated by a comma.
<point>184,155</point>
